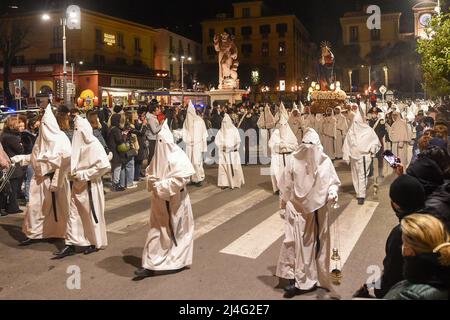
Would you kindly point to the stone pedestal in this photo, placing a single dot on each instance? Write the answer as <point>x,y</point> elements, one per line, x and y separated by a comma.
<point>226,95</point>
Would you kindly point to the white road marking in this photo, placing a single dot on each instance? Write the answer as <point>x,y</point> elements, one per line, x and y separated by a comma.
<point>350,225</point>
<point>141,218</point>
<point>352,222</point>
<point>219,216</point>
<point>257,240</point>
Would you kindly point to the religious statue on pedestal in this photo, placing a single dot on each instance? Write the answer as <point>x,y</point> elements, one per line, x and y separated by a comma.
<point>326,67</point>
<point>228,63</point>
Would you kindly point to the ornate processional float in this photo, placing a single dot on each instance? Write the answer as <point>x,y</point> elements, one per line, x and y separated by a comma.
<point>326,93</point>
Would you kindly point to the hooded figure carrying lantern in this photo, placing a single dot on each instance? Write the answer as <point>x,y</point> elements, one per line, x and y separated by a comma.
<point>47,211</point>
<point>170,240</point>
<point>86,226</point>
<point>308,183</point>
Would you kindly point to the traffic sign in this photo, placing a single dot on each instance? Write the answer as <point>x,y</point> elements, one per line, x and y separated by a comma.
<point>71,89</point>
<point>18,93</point>
<point>383,90</point>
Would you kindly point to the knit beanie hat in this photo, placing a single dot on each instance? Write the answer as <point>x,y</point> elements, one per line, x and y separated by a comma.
<point>408,193</point>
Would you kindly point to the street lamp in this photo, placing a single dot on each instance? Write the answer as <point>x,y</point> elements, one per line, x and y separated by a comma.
<point>386,78</point>
<point>350,72</point>
<point>71,20</point>
<point>182,59</point>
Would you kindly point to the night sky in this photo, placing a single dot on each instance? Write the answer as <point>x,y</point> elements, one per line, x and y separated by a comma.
<point>321,17</point>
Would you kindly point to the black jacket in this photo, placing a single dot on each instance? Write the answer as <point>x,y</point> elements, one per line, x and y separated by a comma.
<point>139,131</point>
<point>438,205</point>
<point>28,140</point>
<point>114,139</point>
<point>11,142</point>
<point>428,172</point>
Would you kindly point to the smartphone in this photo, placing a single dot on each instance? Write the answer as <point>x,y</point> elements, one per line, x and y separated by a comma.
<point>391,158</point>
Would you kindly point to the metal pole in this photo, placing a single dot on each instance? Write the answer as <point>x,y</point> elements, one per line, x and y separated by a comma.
<point>72,65</point>
<point>65,95</point>
<point>182,80</point>
<point>370,76</point>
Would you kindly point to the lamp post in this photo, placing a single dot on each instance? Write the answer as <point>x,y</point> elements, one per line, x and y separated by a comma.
<point>350,72</point>
<point>182,58</point>
<point>72,21</point>
<point>386,76</point>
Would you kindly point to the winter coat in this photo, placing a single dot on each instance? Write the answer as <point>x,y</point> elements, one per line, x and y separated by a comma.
<point>10,139</point>
<point>114,139</point>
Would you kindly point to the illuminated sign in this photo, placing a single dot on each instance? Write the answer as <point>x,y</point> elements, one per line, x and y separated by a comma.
<point>282,85</point>
<point>109,39</point>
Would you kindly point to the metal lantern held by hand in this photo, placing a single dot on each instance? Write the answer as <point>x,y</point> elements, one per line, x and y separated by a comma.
<point>336,273</point>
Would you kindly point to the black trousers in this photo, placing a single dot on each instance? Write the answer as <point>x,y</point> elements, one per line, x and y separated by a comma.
<point>8,200</point>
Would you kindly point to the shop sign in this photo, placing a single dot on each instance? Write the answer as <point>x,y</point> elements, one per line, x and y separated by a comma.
<point>109,39</point>
<point>136,83</point>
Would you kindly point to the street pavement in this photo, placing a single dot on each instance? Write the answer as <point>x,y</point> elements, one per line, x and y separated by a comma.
<point>238,236</point>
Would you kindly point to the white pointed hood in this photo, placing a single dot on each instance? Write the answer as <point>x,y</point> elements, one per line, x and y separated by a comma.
<point>87,151</point>
<point>228,136</point>
<point>360,139</point>
<point>288,140</point>
<point>52,146</point>
<point>169,161</point>
<point>194,128</point>
<point>266,119</point>
<point>294,107</point>
<point>313,173</point>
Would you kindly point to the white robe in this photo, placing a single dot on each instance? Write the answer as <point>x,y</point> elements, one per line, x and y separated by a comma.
<point>89,163</point>
<point>400,135</point>
<point>282,143</point>
<point>304,188</point>
<point>228,142</point>
<point>329,136</point>
<point>170,240</point>
<point>341,132</point>
<point>50,155</point>
<point>360,145</point>
<point>296,124</point>
<point>195,136</point>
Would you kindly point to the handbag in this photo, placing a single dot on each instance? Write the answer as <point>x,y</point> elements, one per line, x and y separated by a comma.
<point>123,147</point>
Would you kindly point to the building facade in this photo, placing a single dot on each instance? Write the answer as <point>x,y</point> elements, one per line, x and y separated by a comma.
<point>110,58</point>
<point>386,56</point>
<point>272,50</point>
<point>169,49</point>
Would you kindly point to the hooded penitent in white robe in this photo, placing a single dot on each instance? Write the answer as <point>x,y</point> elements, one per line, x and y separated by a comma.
<point>296,123</point>
<point>266,119</point>
<point>306,186</point>
<point>329,135</point>
<point>86,225</point>
<point>282,143</point>
<point>47,211</point>
<point>318,125</point>
<point>309,121</point>
<point>195,136</point>
<point>170,241</point>
<point>400,135</point>
<point>228,142</point>
<point>341,132</point>
<point>360,145</point>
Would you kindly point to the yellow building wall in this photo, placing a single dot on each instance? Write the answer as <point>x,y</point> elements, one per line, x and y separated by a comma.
<point>81,44</point>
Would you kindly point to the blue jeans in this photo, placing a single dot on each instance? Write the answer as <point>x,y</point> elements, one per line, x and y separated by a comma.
<point>115,174</point>
<point>127,173</point>
<point>30,174</point>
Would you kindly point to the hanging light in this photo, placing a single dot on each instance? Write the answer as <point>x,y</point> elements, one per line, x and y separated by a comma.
<point>313,84</point>
<point>338,84</point>
<point>317,87</point>
<point>332,86</point>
